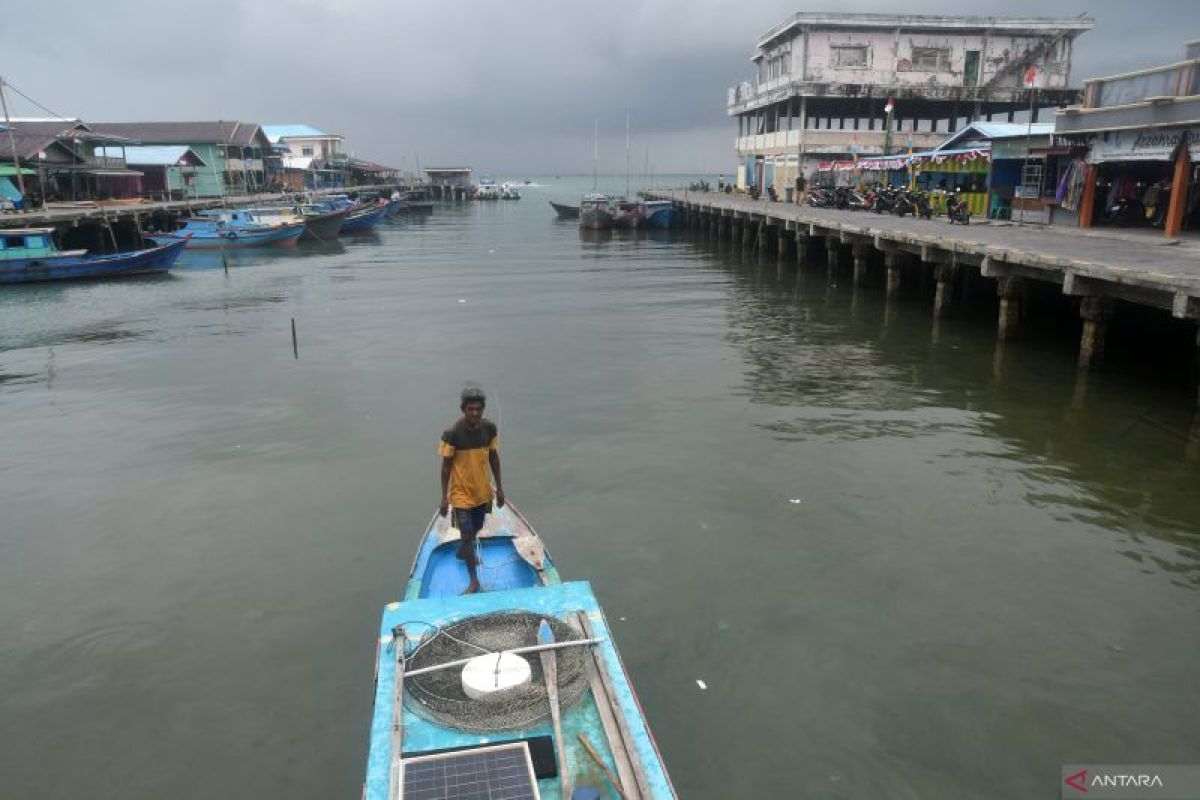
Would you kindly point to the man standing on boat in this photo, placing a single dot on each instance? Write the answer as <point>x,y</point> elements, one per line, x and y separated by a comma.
<point>469,448</point>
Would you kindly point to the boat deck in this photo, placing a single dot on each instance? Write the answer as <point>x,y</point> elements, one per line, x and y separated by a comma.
<point>566,602</point>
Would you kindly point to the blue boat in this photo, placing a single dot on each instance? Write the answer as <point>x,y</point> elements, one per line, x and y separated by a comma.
<point>658,213</point>
<point>519,684</point>
<point>29,255</point>
<point>363,219</point>
<point>231,228</point>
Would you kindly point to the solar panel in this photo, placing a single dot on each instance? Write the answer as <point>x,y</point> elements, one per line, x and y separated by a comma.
<point>500,772</point>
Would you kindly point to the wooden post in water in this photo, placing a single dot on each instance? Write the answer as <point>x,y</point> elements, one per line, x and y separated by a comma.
<point>1011,290</point>
<point>892,259</point>
<point>943,299</point>
<point>295,346</point>
<point>861,251</point>
<point>1096,312</point>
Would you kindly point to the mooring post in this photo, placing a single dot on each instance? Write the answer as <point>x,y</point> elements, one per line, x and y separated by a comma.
<point>891,260</point>
<point>295,346</point>
<point>1011,290</point>
<point>1096,312</point>
<point>943,298</point>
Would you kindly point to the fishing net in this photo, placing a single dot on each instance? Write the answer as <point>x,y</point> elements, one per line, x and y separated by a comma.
<point>440,697</point>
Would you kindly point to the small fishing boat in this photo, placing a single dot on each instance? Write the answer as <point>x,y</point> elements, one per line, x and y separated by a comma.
<point>565,211</point>
<point>628,214</point>
<point>321,223</point>
<point>29,255</point>
<point>658,213</point>
<point>509,191</point>
<point>596,212</point>
<point>364,218</point>
<point>231,228</point>
<point>519,685</point>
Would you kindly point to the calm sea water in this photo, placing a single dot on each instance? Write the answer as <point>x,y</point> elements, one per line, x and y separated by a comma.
<point>903,566</point>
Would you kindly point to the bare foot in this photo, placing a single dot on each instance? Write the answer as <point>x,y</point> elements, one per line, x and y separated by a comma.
<point>472,587</point>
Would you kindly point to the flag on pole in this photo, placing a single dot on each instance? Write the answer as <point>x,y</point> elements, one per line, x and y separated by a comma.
<point>890,107</point>
<point>1031,75</point>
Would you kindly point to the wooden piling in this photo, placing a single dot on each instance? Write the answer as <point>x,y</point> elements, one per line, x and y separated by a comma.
<point>1096,312</point>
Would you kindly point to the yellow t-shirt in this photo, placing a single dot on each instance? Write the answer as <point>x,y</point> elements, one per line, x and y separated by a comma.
<point>470,475</point>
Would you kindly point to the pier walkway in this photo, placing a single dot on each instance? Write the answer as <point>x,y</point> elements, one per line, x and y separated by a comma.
<point>1097,267</point>
<point>101,212</point>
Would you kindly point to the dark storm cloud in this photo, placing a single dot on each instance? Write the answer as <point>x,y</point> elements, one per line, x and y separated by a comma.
<point>510,87</point>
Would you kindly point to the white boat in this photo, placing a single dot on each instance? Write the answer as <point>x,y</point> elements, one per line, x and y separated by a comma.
<point>487,190</point>
<point>509,191</point>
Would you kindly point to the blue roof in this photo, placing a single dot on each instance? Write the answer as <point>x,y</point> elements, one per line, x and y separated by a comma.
<point>277,132</point>
<point>998,130</point>
<point>153,155</point>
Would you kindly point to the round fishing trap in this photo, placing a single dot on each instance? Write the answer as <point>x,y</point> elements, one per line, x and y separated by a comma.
<point>439,695</point>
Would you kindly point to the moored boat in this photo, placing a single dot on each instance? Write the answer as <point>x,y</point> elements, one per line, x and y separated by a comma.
<point>29,255</point>
<point>520,683</point>
<point>658,213</point>
<point>364,218</point>
<point>627,214</point>
<point>596,212</point>
<point>487,190</point>
<point>509,191</point>
<point>565,211</point>
<point>231,228</point>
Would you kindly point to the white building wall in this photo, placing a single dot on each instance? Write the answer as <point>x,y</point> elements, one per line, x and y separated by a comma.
<point>890,59</point>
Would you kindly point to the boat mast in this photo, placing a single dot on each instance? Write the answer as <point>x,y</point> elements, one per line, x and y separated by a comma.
<point>12,142</point>
<point>627,155</point>
<point>595,154</point>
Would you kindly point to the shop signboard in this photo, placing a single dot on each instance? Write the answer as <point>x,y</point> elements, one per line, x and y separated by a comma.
<point>1150,144</point>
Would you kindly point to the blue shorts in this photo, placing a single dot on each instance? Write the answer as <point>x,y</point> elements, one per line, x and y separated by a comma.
<point>469,521</point>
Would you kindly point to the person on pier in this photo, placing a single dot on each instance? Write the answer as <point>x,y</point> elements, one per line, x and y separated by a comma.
<point>469,450</point>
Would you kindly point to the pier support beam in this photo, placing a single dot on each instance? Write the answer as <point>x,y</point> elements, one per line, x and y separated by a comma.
<point>1011,290</point>
<point>862,259</point>
<point>781,245</point>
<point>833,252</point>
<point>892,260</point>
<point>1096,312</point>
<point>943,298</point>
<point>801,249</point>
<point>748,233</point>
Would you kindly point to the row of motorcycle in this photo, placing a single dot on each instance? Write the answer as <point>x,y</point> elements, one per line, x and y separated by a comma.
<point>888,200</point>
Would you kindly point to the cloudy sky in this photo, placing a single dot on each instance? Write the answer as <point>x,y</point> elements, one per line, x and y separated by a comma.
<point>511,87</point>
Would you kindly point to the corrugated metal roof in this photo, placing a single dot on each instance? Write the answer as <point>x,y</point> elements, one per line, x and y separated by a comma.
<point>228,132</point>
<point>277,132</point>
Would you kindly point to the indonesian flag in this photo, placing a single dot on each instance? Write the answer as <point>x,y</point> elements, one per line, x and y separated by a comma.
<point>1031,75</point>
<point>890,107</point>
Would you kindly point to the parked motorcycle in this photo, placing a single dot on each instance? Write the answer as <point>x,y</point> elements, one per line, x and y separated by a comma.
<point>957,210</point>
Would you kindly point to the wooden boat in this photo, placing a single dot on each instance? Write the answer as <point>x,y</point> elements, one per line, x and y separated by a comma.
<point>567,715</point>
<point>29,255</point>
<point>225,228</point>
<point>596,212</point>
<point>322,225</point>
<point>364,218</point>
<point>627,215</point>
<point>565,211</point>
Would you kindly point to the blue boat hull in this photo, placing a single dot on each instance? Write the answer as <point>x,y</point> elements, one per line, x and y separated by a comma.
<point>363,221</point>
<point>659,215</point>
<point>242,237</point>
<point>62,268</point>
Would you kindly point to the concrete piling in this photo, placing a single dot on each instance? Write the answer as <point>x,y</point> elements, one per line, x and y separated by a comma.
<point>1096,312</point>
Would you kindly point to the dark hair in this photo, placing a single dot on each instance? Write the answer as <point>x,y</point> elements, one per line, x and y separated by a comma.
<point>472,393</point>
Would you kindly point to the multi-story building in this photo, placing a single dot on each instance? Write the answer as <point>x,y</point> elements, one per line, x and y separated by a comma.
<point>836,86</point>
<point>309,157</point>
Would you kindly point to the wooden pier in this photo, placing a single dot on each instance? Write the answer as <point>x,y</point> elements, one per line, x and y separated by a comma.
<point>1096,269</point>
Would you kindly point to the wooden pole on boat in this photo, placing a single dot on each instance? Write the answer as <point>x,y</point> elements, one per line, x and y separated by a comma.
<point>550,672</point>
<point>608,773</point>
<point>397,715</point>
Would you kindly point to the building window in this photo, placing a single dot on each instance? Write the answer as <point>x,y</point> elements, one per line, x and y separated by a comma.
<point>306,151</point>
<point>854,56</point>
<point>930,58</point>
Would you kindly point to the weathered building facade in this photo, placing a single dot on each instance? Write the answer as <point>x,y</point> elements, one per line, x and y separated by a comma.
<point>823,81</point>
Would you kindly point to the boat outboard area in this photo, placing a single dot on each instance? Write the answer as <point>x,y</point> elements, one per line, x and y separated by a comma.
<point>517,690</point>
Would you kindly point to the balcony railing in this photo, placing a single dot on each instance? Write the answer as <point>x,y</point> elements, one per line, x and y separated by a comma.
<point>1172,80</point>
